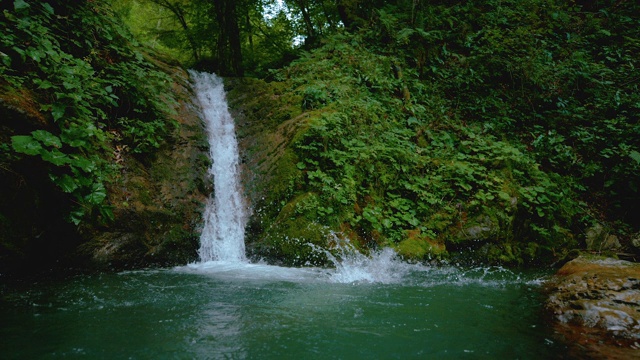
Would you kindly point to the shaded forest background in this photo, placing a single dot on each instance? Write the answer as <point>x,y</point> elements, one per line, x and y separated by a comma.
<point>506,127</point>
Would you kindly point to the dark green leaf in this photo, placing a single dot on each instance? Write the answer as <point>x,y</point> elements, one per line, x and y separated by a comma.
<point>20,4</point>
<point>97,195</point>
<point>66,183</point>
<point>55,156</point>
<point>57,111</point>
<point>26,144</point>
<point>87,165</point>
<point>635,156</point>
<point>76,215</point>
<point>47,138</point>
<point>48,8</point>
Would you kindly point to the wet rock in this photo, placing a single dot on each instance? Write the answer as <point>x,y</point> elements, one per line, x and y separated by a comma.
<point>267,120</point>
<point>599,239</point>
<point>595,307</point>
<point>482,228</point>
<point>635,242</point>
<point>157,201</point>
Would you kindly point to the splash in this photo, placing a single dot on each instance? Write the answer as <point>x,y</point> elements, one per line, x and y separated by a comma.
<point>381,266</point>
<point>385,266</point>
<point>351,266</point>
<point>225,216</point>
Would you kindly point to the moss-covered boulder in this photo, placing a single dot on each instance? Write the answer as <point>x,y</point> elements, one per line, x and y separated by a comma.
<point>283,224</point>
<point>420,247</point>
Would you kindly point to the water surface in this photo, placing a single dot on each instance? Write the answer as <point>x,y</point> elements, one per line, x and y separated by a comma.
<point>366,307</point>
<point>224,310</point>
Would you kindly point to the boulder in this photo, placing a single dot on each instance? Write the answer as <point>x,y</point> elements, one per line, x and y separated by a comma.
<point>635,242</point>
<point>597,238</point>
<point>594,305</point>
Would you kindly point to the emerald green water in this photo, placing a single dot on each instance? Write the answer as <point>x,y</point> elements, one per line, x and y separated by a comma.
<point>245,311</point>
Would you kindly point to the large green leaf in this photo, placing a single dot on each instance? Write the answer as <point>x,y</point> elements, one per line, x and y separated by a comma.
<point>65,182</point>
<point>57,111</point>
<point>87,165</point>
<point>26,144</point>
<point>55,156</point>
<point>97,195</point>
<point>20,4</point>
<point>635,156</point>
<point>47,138</point>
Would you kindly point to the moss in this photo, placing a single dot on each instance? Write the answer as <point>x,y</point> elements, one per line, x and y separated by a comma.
<point>177,244</point>
<point>419,247</point>
<point>287,239</point>
<point>140,191</point>
<point>285,175</point>
<point>288,243</point>
<point>441,220</point>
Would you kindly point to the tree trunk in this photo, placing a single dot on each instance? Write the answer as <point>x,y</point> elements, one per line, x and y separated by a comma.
<point>327,15</point>
<point>250,33</point>
<point>307,19</point>
<point>233,32</point>
<point>228,46</point>
<point>221,43</point>
<point>347,9</point>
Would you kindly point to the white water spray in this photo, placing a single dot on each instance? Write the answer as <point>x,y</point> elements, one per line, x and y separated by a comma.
<point>225,216</point>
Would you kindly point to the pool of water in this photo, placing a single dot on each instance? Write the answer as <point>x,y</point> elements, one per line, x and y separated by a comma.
<point>220,310</point>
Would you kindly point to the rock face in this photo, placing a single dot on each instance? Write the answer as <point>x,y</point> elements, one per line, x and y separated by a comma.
<point>157,199</point>
<point>595,306</point>
<point>158,202</point>
<point>268,120</point>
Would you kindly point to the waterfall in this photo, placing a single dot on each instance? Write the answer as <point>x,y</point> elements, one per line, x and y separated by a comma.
<point>225,216</point>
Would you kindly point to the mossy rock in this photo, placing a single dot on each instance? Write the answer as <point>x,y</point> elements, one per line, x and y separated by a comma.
<point>418,247</point>
<point>158,201</point>
<point>293,242</point>
<point>292,238</point>
<point>483,227</point>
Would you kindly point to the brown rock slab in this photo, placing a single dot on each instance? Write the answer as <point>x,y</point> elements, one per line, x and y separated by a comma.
<point>594,304</point>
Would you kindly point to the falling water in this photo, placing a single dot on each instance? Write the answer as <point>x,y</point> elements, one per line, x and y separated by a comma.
<point>225,216</point>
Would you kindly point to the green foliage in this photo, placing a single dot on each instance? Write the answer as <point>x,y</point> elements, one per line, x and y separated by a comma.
<point>143,136</point>
<point>558,77</point>
<point>85,70</point>
<point>512,124</point>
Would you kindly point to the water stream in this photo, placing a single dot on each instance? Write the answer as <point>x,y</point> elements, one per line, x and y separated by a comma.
<point>224,307</point>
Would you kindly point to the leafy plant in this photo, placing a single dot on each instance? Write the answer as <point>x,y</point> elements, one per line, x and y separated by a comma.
<point>79,62</point>
<point>498,122</point>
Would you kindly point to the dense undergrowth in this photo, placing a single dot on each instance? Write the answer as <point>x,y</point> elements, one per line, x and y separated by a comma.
<point>96,95</point>
<point>509,128</point>
<point>506,127</point>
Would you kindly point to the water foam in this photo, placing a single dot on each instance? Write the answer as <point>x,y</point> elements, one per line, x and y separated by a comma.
<point>235,270</point>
